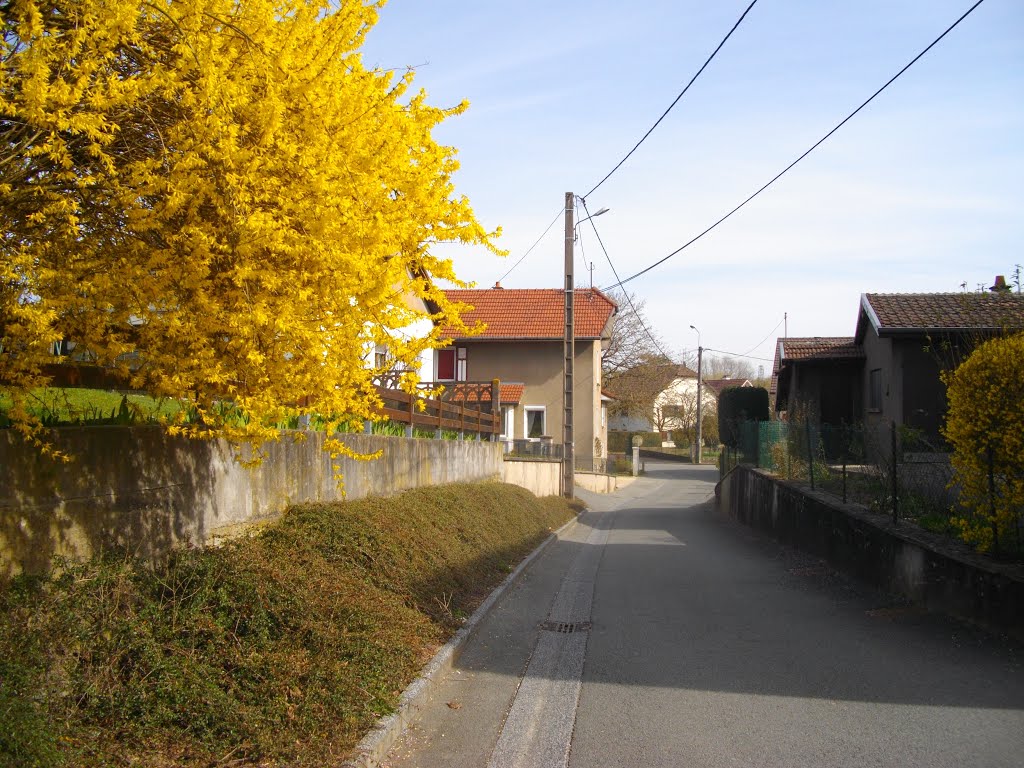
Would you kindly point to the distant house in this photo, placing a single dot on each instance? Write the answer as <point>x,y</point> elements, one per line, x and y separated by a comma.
<point>674,404</point>
<point>818,377</point>
<point>716,386</point>
<point>908,338</point>
<point>522,346</point>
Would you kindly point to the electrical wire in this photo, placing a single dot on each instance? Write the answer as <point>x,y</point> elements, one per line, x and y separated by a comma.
<point>629,300</point>
<point>762,341</point>
<point>805,154</point>
<point>734,354</point>
<point>670,106</point>
<point>561,211</point>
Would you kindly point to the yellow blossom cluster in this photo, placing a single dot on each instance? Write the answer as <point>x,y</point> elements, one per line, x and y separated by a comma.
<point>985,426</point>
<point>216,200</point>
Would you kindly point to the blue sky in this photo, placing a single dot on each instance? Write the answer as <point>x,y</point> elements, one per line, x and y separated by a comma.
<point>921,191</point>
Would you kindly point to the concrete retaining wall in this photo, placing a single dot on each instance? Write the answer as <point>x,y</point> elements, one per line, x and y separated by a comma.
<point>931,570</point>
<point>541,478</point>
<point>598,483</point>
<point>139,488</point>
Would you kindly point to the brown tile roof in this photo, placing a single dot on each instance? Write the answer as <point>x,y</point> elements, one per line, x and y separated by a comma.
<point>908,312</point>
<point>818,348</point>
<point>810,349</point>
<point>533,313</point>
<point>511,394</point>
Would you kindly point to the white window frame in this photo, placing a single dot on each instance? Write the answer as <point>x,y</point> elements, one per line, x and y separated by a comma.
<point>437,364</point>
<point>527,410</point>
<point>460,363</point>
<point>508,422</point>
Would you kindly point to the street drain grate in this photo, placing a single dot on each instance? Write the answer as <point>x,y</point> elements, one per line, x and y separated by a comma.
<point>814,570</point>
<point>566,628</point>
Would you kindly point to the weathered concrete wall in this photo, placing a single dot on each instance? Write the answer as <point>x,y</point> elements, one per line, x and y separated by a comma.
<point>138,488</point>
<point>541,478</point>
<point>931,570</point>
<point>598,483</point>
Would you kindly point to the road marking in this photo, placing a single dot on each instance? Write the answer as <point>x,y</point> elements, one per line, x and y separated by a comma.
<point>537,732</point>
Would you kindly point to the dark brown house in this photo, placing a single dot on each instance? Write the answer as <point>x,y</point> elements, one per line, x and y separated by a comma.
<point>818,377</point>
<point>889,372</point>
<point>909,338</point>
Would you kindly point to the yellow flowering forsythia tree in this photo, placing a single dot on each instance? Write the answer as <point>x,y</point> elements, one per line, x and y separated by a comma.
<point>216,200</point>
<point>985,426</point>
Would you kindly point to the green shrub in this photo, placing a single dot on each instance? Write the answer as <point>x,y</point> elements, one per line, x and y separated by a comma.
<point>739,404</point>
<point>279,649</point>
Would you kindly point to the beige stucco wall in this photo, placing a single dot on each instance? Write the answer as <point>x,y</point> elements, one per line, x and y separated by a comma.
<point>538,366</point>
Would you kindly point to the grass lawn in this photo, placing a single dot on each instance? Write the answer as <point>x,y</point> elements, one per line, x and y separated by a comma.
<point>58,405</point>
<point>279,649</point>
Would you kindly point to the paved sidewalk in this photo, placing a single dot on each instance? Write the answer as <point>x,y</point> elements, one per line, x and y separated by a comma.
<point>655,632</point>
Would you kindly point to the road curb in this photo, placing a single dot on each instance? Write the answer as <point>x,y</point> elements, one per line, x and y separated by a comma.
<point>373,747</point>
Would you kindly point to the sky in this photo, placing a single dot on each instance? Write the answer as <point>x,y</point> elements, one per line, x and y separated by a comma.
<point>922,191</point>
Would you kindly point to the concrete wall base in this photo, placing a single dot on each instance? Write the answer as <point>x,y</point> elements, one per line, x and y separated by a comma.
<point>143,490</point>
<point>933,571</point>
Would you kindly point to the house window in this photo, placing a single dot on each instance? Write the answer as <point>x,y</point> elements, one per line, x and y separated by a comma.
<point>446,365</point>
<point>380,358</point>
<point>534,422</point>
<point>451,364</point>
<point>875,390</point>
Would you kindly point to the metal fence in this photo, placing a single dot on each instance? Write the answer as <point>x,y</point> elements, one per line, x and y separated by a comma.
<point>890,469</point>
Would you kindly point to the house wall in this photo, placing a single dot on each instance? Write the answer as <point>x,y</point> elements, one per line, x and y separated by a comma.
<point>831,391</point>
<point>924,401</point>
<point>912,390</point>
<point>879,354</point>
<point>538,365</point>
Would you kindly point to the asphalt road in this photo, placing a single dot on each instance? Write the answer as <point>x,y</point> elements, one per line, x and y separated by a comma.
<point>655,632</point>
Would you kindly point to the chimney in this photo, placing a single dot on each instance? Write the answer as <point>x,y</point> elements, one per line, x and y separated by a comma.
<point>1000,285</point>
<point>497,284</point>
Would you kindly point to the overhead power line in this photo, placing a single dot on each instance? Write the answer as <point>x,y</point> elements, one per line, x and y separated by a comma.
<point>762,341</point>
<point>629,300</point>
<point>817,144</point>
<point>734,354</point>
<point>558,215</point>
<point>670,106</point>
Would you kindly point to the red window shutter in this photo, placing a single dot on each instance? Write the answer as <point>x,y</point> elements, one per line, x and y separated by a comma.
<point>446,365</point>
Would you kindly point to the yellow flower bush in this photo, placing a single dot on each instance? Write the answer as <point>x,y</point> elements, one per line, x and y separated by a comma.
<point>217,200</point>
<point>985,424</point>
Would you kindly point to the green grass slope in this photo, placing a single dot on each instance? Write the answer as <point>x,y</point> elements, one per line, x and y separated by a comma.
<point>279,649</point>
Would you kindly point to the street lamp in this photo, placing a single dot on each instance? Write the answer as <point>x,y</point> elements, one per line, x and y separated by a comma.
<point>575,234</point>
<point>700,374</point>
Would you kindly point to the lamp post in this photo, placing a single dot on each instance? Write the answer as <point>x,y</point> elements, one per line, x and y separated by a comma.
<point>700,386</point>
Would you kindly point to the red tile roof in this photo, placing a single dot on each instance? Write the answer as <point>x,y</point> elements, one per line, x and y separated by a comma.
<point>533,313</point>
<point>717,385</point>
<point>475,393</point>
<point>904,312</point>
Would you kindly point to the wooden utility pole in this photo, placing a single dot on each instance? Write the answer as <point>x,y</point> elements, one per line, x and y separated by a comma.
<point>568,458</point>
